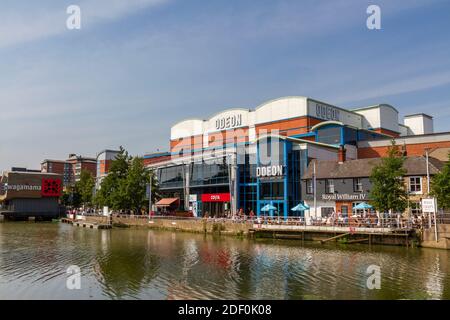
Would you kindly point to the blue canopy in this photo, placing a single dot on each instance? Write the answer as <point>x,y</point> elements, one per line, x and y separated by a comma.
<point>363,206</point>
<point>268,207</point>
<point>300,207</point>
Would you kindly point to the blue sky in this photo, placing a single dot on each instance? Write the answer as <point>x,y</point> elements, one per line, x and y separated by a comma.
<point>136,67</point>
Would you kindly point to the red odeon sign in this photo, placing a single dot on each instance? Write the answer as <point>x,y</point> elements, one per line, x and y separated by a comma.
<point>216,197</point>
<point>51,187</point>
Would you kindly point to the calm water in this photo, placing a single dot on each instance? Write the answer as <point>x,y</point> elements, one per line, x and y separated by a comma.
<point>143,264</point>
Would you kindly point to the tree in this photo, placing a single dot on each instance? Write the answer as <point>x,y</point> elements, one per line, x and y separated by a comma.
<point>135,185</point>
<point>111,191</point>
<point>388,189</point>
<point>85,187</point>
<point>71,197</point>
<point>440,186</point>
<point>124,188</point>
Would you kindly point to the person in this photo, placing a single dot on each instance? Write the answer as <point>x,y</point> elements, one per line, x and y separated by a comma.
<point>252,215</point>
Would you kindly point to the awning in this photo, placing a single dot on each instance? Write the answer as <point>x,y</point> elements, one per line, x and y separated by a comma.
<point>166,202</point>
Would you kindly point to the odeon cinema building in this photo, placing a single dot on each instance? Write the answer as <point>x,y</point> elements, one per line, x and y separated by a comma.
<point>253,159</point>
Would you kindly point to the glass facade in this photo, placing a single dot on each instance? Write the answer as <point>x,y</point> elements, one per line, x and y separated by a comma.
<point>202,173</point>
<point>338,134</point>
<point>329,134</point>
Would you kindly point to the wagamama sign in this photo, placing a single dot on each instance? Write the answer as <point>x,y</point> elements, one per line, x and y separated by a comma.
<point>269,171</point>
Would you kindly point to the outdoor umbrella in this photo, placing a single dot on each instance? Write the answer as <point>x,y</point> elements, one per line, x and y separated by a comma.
<point>268,207</point>
<point>363,206</point>
<point>300,207</point>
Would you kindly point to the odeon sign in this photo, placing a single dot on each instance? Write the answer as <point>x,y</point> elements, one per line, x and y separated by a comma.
<point>229,122</point>
<point>327,112</point>
<point>269,171</point>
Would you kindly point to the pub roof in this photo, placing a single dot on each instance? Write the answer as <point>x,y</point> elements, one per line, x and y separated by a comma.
<point>361,168</point>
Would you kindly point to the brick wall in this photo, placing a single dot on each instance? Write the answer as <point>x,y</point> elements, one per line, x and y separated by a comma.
<point>411,149</point>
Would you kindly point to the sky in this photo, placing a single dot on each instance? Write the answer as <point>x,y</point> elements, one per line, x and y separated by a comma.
<point>136,67</point>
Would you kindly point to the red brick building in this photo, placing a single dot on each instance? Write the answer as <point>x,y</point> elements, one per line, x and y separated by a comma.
<point>71,168</point>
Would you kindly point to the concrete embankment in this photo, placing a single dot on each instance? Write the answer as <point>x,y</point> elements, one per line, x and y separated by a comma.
<point>188,225</point>
<point>425,238</point>
<point>443,237</point>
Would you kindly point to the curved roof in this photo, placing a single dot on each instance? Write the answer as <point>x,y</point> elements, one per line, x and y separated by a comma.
<point>185,120</point>
<point>277,99</point>
<point>226,110</point>
<point>325,123</point>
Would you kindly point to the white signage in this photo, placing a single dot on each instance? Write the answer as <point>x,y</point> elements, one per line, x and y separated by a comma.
<point>194,209</point>
<point>192,197</point>
<point>229,122</point>
<point>344,196</point>
<point>428,205</point>
<point>327,112</point>
<point>269,171</point>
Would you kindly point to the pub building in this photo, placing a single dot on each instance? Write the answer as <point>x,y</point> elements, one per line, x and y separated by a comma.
<point>25,194</point>
<point>340,186</point>
<point>250,158</point>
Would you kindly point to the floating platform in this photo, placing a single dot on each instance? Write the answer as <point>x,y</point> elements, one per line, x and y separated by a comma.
<point>84,224</point>
<point>91,225</point>
<point>324,234</point>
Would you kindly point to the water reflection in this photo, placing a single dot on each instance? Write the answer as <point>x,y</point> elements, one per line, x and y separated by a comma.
<point>145,264</point>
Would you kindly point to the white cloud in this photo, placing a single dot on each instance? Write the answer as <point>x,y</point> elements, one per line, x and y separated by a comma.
<point>413,84</point>
<point>40,20</point>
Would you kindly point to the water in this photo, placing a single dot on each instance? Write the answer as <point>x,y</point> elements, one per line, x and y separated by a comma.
<point>146,264</point>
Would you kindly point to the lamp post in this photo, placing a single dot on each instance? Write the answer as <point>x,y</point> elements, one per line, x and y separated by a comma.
<point>150,196</point>
<point>314,187</point>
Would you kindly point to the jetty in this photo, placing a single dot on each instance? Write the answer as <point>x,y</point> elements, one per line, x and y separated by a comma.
<point>84,224</point>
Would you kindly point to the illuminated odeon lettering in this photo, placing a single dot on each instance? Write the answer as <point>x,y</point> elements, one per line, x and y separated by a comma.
<point>269,171</point>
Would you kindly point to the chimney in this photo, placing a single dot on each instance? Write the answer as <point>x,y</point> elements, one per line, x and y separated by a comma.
<point>341,154</point>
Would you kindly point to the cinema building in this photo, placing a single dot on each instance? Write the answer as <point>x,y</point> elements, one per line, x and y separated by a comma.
<point>245,158</point>
<point>30,194</point>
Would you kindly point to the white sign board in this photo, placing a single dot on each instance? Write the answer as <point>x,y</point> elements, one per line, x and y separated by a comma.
<point>105,211</point>
<point>429,205</point>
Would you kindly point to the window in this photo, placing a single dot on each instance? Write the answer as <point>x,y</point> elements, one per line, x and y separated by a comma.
<point>357,185</point>
<point>415,184</point>
<point>325,212</point>
<point>416,208</point>
<point>329,135</point>
<point>329,186</point>
<point>309,186</point>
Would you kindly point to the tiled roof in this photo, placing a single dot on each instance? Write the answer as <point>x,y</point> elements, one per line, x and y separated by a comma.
<point>414,165</point>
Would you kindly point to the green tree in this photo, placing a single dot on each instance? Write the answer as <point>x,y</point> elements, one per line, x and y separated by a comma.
<point>85,187</point>
<point>388,189</point>
<point>71,197</point>
<point>124,188</point>
<point>135,185</point>
<point>111,192</point>
<point>440,186</point>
